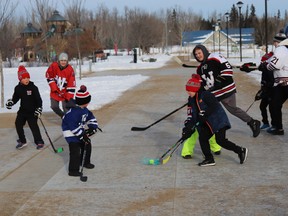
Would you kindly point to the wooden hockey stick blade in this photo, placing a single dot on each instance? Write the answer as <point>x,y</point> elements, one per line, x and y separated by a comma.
<point>165,160</point>
<point>139,128</point>
<point>188,66</point>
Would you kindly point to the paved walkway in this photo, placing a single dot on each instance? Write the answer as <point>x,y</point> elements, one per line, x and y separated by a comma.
<point>36,182</point>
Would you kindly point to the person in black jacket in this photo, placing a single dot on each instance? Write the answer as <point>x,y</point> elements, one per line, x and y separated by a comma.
<point>30,108</point>
<point>217,77</point>
<point>206,113</point>
<point>267,82</point>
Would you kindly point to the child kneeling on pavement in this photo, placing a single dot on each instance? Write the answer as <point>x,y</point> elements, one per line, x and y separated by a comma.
<point>73,126</point>
<point>206,113</point>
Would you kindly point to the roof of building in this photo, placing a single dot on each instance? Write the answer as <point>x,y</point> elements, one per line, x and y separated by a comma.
<point>199,37</point>
<point>56,17</point>
<point>30,29</point>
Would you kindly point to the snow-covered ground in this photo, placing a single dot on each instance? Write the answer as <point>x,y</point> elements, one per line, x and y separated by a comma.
<point>104,89</point>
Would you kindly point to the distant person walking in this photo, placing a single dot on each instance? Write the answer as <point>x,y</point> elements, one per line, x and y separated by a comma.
<point>217,77</point>
<point>61,79</point>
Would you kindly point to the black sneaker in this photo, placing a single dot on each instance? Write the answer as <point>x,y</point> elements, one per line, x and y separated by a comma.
<point>255,127</point>
<point>187,157</point>
<point>275,131</point>
<point>243,155</point>
<point>40,146</point>
<point>20,145</point>
<point>217,152</point>
<point>89,166</point>
<point>74,174</point>
<point>207,162</point>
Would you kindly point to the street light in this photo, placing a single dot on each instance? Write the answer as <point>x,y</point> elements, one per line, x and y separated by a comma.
<point>227,20</point>
<point>214,26</point>
<point>219,28</point>
<point>266,30</point>
<point>239,5</point>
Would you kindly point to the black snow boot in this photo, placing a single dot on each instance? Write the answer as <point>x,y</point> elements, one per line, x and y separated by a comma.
<point>255,127</point>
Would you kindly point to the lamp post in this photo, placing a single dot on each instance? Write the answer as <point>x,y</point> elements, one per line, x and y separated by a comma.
<point>227,20</point>
<point>266,30</point>
<point>219,28</point>
<point>239,5</point>
<point>214,26</point>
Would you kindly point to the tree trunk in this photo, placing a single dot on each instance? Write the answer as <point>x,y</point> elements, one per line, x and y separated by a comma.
<point>2,81</point>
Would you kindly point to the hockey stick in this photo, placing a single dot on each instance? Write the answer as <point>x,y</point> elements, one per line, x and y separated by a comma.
<point>250,105</point>
<point>164,161</point>
<point>188,66</point>
<point>145,128</point>
<point>59,149</point>
<point>83,178</point>
<point>160,160</point>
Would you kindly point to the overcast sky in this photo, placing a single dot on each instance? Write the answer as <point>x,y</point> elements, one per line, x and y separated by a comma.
<point>204,7</point>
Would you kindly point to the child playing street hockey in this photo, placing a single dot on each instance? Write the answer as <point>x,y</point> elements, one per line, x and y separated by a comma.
<point>30,108</point>
<point>75,133</point>
<point>217,77</point>
<point>267,83</point>
<point>204,108</point>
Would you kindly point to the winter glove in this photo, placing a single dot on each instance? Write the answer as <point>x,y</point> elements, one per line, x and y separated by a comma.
<point>259,95</point>
<point>85,139</point>
<point>202,116</point>
<point>9,104</point>
<point>187,132</point>
<point>262,67</point>
<point>38,112</point>
<point>188,123</point>
<point>91,131</point>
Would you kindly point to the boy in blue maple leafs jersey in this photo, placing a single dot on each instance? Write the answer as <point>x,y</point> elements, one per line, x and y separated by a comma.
<point>74,126</point>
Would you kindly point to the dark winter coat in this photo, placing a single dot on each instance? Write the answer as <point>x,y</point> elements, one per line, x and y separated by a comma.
<point>29,96</point>
<point>267,82</point>
<point>74,123</point>
<point>216,74</point>
<point>215,115</point>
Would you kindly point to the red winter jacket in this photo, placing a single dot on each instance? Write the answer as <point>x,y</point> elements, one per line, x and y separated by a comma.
<point>62,82</point>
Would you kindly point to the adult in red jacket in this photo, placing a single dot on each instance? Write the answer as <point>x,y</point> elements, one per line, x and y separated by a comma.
<point>61,79</point>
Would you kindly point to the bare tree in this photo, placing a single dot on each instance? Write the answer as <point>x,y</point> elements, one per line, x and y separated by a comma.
<point>142,30</point>
<point>74,11</point>
<point>6,11</point>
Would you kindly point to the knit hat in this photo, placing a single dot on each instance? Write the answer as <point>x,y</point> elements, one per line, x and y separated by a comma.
<point>193,85</point>
<point>279,37</point>
<point>82,96</point>
<point>63,56</point>
<point>22,73</point>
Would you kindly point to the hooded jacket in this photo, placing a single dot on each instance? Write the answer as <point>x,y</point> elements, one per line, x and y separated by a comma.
<point>216,74</point>
<point>216,118</point>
